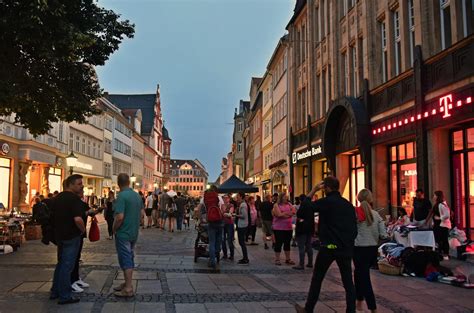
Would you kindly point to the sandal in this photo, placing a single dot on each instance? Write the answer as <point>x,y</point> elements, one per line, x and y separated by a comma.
<point>290,262</point>
<point>119,287</point>
<point>124,294</point>
<point>277,262</point>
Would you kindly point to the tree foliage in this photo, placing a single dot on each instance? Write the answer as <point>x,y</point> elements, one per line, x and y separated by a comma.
<point>48,51</point>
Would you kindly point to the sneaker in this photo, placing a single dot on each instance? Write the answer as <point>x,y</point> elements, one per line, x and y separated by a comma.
<point>243,262</point>
<point>75,288</point>
<point>82,283</point>
<point>446,258</point>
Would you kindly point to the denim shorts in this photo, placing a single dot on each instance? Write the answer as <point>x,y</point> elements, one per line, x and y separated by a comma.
<point>125,253</point>
<point>164,214</point>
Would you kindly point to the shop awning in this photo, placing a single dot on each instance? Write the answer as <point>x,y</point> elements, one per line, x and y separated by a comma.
<point>234,184</point>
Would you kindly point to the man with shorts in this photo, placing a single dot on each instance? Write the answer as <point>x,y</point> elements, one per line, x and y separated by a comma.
<point>127,210</point>
<point>266,217</point>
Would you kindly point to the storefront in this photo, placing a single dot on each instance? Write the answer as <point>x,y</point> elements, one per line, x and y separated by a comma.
<point>91,169</point>
<point>309,167</point>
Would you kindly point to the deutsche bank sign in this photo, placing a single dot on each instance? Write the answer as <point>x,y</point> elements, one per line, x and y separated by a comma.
<point>298,156</point>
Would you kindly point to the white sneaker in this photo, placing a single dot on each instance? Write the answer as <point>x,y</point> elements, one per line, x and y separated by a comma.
<point>75,288</point>
<point>446,258</point>
<point>82,283</point>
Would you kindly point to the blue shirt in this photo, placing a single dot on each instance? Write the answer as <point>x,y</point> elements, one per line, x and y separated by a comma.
<point>129,204</point>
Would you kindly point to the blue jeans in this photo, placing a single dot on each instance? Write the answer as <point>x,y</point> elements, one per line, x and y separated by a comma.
<point>67,254</point>
<point>214,231</point>
<point>179,221</point>
<point>228,239</point>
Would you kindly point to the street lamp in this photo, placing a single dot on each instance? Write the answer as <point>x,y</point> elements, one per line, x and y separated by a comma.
<point>71,161</point>
<point>133,179</point>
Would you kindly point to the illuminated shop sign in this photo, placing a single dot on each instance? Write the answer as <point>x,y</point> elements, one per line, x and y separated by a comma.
<point>446,106</point>
<point>298,156</point>
<point>410,173</point>
<point>5,149</point>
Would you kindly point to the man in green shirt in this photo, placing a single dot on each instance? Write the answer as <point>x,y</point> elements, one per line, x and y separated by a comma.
<point>127,210</point>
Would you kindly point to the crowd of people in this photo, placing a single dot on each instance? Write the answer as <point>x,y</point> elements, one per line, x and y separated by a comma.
<point>347,234</point>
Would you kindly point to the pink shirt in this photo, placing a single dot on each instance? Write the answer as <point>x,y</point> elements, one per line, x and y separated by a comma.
<point>253,214</point>
<point>283,223</point>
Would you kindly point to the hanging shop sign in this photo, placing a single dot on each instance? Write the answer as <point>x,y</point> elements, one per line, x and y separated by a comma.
<point>446,106</point>
<point>314,151</point>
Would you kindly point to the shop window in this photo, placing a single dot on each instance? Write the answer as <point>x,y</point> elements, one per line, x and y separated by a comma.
<point>305,179</point>
<point>458,141</point>
<point>55,179</point>
<point>5,172</point>
<point>357,179</point>
<point>403,175</point>
<point>462,164</point>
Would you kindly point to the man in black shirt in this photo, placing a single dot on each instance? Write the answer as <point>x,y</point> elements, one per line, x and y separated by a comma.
<point>69,228</point>
<point>266,216</point>
<point>421,208</point>
<point>337,232</point>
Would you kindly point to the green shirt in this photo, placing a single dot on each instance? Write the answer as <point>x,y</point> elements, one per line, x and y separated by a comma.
<point>129,204</point>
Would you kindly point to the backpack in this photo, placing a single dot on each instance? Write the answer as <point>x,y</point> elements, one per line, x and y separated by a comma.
<point>214,213</point>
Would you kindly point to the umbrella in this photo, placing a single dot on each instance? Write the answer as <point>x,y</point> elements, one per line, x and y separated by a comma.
<point>234,184</point>
<point>171,193</point>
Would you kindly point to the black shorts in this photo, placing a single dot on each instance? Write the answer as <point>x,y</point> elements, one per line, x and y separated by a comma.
<point>148,212</point>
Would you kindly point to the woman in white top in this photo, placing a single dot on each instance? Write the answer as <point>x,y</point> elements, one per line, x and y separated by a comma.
<point>370,228</point>
<point>441,222</point>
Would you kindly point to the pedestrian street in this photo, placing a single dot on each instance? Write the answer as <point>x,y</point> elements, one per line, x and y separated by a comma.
<point>167,280</point>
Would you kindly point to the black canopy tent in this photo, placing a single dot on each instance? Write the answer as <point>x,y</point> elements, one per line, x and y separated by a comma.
<point>234,184</point>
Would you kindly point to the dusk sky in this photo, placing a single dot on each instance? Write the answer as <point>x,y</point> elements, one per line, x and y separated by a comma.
<point>203,54</point>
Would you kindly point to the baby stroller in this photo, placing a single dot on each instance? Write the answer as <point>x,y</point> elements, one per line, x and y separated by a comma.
<point>202,242</point>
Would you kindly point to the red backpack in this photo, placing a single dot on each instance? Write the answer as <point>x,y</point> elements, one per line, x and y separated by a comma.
<point>211,201</point>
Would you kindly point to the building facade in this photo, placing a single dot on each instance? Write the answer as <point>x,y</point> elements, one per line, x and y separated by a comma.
<point>252,134</point>
<point>238,145</point>
<point>188,177</point>
<point>266,133</point>
<point>277,67</point>
<point>381,97</point>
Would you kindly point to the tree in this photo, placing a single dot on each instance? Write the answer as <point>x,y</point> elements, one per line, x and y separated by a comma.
<point>48,52</point>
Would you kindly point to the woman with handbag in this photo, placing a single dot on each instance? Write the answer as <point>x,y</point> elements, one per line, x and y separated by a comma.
<point>370,228</point>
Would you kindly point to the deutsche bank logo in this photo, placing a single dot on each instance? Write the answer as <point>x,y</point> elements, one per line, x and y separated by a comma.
<point>294,158</point>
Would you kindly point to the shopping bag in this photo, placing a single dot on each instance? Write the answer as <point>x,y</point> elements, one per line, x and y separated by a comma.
<point>94,232</point>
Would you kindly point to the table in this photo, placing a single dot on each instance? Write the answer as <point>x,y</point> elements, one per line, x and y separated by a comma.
<point>423,238</point>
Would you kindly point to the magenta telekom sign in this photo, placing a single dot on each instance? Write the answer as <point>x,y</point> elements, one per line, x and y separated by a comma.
<point>446,107</point>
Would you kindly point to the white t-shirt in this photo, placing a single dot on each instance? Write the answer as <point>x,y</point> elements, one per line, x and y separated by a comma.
<point>149,202</point>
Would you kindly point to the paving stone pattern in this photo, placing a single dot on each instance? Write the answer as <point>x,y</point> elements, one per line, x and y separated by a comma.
<point>168,280</point>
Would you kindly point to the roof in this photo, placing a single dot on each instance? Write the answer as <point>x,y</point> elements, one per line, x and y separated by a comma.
<point>195,164</point>
<point>281,44</point>
<point>166,135</point>
<point>234,184</point>
<point>146,103</point>
<point>300,4</point>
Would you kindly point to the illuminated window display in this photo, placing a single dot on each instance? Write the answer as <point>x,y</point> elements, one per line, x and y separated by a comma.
<point>5,171</point>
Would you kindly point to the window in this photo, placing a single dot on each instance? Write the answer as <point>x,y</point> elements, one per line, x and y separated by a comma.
<point>397,42</point>
<point>357,178</point>
<point>108,123</point>
<point>323,90</point>
<point>60,132</point>
<point>323,18</point>
<point>107,170</point>
<point>71,140</point>
<point>468,17</point>
<point>108,146</point>
<point>345,74</point>
<point>354,71</point>
<point>239,146</point>
<point>317,99</point>
<point>240,127</point>
<point>77,143</point>
<point>384,51</point>
<point>403,175</point>
<point>411,30</point>
<point>122,147</point>
<point>445,24</point>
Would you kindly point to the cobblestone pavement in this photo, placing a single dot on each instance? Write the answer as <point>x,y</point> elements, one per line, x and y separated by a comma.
<point>168,280</point>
